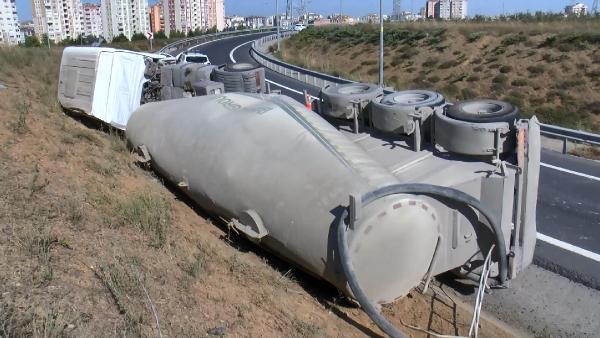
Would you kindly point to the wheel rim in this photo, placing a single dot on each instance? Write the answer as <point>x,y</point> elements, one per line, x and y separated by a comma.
<point>354,89</point>
<point>483,109</point>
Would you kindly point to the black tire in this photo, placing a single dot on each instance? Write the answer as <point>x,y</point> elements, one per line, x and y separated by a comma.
<point>483,111</point>
<point>337,100</point>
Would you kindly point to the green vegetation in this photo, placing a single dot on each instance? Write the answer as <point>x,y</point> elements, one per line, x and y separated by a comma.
<point>147,211</point>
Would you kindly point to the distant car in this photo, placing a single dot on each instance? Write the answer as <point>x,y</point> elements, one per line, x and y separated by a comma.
<point>169,60</point>
<point>191,57</point>
<point>299,27</point>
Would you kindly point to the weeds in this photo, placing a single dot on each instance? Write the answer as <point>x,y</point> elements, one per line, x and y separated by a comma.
<point>536,69</point>
<point>506,69</point>
<point>476,36</point>
<point>198,266</point>
<point>36,184</point>
<point>520,83</point>
<point>86,135</point>
<point>149,212</point>
<point>20,125</point>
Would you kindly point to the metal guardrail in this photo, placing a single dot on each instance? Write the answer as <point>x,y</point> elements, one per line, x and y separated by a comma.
<point>321,80</point>
<point>186,43</point>
<point>569,135</point>
<point>301,74</point>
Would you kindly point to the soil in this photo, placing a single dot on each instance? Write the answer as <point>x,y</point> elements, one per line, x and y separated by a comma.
<point>93,245</point>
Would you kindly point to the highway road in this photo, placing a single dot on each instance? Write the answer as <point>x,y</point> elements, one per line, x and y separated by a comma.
<point>568,219</point>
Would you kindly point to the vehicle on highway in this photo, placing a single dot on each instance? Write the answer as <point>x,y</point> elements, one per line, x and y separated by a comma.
<point>299,27</point>
<point>168,60</point>
<point>192,57</point>
<point>429,187</point>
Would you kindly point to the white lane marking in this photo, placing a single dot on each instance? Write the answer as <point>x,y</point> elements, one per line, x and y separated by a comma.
<point>236,48</point>
<point>570,172</point>
<point>569,247</point>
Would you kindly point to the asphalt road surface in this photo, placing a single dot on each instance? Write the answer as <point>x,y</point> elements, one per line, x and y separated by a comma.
<point>568,220</point>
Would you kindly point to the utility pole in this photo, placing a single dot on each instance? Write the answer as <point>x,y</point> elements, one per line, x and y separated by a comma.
<point>381,43</point>
<point>276,18</point>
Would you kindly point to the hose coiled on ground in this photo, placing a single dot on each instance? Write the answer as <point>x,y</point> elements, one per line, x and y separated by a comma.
<point>423,189</point>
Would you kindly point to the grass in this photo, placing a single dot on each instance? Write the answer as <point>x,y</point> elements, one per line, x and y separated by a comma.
<point>147,211</point>
<point>197,266</point>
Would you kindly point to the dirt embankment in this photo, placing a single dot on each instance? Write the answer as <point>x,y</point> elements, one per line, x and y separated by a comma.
<point>551,69</point>
<point>93,245</point>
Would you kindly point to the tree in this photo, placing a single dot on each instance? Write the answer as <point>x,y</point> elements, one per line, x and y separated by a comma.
<point>138,37</point>
<point>32,41</point>
<point>120,38</point>
<point>176,35</point>
<point>160,35</point>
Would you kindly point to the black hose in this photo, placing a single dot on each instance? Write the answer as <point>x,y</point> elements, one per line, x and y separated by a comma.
<point>423,189</point>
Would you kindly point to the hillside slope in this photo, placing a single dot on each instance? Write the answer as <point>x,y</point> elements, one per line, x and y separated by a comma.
<point>93,245</point>
<point>551,69</point>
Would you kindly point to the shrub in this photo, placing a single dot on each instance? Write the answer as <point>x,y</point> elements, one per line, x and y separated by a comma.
<point>568,84</point>
<point>369,62</point>
<point>32,41</point>
<point>514,39</point>
<point>120,38</point>
<point>449,64</point>
<point>515,98</point>
<point>536,69</point>
<point>506,69</point>
<point>160,35</point>
<point>475,36</point>
<point>430,62</point>
<point>520,83</point>
<point>500,78</point>
<point>478,69</point>
<point>138,37</point>
<point>473,78</point>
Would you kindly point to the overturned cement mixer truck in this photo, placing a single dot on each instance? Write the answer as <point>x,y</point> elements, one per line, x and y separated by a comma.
<point>376,193</point>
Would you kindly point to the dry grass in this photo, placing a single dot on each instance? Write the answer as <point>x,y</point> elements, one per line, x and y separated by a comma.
<point>586,152</point>
<point>551,69</point>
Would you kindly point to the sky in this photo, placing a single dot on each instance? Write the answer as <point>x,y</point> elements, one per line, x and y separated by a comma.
<point>362,7</point>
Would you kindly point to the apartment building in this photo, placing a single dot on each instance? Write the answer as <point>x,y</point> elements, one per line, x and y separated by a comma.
<point>10,32</point>
<point>92,20</point>
<point>431,8</point>
<point>183,15</point>
<point>58,19</point>
<point>125,17</point>
<point>451,9</point>
<point>187,15</point>
<point>157,21</point>
<point>215,10</point>
<point>576,9</point>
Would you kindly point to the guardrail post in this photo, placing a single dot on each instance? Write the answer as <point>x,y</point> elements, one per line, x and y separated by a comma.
<point>564,150</point>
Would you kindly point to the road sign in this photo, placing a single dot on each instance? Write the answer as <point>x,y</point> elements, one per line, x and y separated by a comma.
<point>150,35</point>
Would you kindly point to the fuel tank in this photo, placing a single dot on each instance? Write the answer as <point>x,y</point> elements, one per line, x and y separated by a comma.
<point>283,176</point>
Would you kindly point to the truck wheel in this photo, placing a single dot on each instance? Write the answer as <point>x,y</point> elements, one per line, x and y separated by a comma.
<point>483,111</point>
<point>337,100</point>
